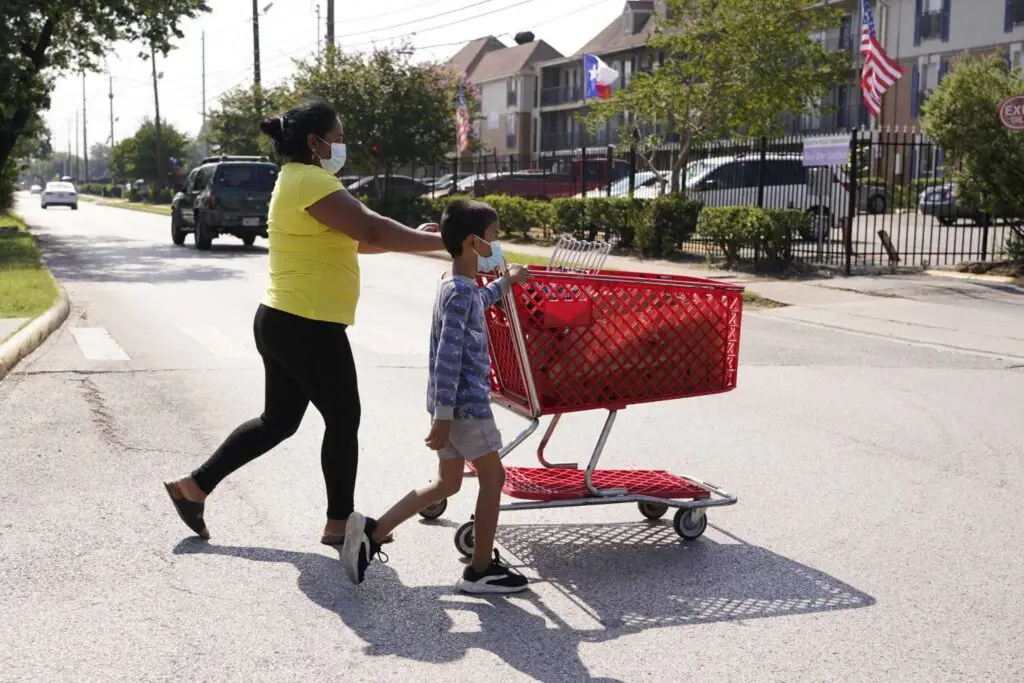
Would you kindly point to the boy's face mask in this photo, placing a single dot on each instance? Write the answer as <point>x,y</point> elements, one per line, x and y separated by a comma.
<point>489,262</point>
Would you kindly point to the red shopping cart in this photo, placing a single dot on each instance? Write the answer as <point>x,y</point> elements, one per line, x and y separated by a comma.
<point>577,338</point>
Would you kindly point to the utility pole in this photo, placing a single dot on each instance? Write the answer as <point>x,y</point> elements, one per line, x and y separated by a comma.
<point>318,31</point>
<point>110,94</point>
<point>159,132</point>
<point>85,138</point>
<point>255,44</point>
<point>330,23</point>
<point>204,81</point>
<point>67,164</point>
<point>76,147</point>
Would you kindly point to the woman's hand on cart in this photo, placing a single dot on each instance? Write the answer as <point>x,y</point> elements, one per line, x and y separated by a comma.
<point>438,436</point>
<point>429,227</point>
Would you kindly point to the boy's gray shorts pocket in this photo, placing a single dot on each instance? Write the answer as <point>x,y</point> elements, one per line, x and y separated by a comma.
<point>470,439</point>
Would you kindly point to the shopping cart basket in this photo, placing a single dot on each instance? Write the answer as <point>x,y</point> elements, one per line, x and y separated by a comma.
<point>576,338</point>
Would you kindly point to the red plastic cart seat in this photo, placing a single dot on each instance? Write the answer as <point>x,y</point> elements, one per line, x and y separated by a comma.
<point>544,483</point>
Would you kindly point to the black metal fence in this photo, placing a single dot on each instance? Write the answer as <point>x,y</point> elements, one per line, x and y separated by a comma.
<point>895,206</point>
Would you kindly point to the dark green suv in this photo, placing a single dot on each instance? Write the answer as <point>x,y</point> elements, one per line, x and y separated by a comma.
<point>226,195</point>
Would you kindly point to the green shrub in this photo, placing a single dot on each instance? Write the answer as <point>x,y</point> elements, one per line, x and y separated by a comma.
<point>732,228</point>
<point>775,241</point>
<point>134,195</point>
<point>570,215</point>
<point>616,217</point>
<point>1015,247</point>
<point>513,212</point>
<point>665,223</point>
<point>541,214</point>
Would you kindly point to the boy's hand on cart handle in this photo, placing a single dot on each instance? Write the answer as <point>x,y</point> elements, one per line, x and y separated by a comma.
<point>518,273</point>
<point>438,436</point>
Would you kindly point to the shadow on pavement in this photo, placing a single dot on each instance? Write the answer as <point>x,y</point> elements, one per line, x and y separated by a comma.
<point>629,577</point>
<point>118,259</point>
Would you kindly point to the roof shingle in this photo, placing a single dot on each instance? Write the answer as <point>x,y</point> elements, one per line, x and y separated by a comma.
<point>511,60</point>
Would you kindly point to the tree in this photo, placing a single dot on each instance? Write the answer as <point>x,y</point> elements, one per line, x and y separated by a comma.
<point>136,157</point>
<point>393,112</point>
<point>99,160</point>
<point>43,38</point>
<point>234,124</point>
<point>962,116</point>
<point>731,67</point>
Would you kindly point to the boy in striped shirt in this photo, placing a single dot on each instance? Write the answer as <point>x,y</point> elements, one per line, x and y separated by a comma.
<point>458,398</point>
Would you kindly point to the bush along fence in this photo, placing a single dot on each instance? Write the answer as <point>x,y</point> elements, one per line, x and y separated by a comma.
<point>151,194</point>
<point>656,228</point>
<point>894,206</point>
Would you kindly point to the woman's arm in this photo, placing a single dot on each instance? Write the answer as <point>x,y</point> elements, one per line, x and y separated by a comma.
<point>342,212</point>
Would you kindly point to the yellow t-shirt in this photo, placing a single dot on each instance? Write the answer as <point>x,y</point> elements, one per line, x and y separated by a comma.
<point>314,270</point>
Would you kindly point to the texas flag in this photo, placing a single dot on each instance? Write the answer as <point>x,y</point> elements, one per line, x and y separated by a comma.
<point>599,77</point>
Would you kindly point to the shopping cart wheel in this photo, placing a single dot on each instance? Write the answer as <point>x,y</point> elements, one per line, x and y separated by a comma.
<point>652,510</point>
<point>464,539</point>
<point>688,525</point>
<point>434,511</point>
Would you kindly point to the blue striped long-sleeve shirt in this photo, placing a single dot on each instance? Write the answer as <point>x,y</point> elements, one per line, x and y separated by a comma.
<point>458,386</point>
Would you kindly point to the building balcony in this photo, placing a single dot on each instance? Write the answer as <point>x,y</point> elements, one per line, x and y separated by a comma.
<point>562,94</point>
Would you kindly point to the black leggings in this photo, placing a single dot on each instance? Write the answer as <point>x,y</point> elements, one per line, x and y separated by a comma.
<point>305,361</point>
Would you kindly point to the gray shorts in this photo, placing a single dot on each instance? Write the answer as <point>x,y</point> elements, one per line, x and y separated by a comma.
<point>470,439</point>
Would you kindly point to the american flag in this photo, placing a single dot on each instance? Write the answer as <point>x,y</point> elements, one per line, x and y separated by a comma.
<point>462,122</point>
<point>880,72</point>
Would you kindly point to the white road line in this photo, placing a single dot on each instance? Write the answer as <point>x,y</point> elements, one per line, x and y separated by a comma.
<point>95,343</point>
<point>216,341</point>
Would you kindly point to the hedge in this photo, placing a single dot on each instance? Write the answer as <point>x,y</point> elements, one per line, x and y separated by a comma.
<point>101,190</point>
<point>657,226</point>
<point>768,232</point>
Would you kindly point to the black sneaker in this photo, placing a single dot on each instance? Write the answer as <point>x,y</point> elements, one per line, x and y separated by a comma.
<point>497,578</point>
<point>359,548</point>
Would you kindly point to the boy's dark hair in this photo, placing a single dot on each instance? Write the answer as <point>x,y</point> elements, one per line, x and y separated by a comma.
<point>462,218</point>
<point>291,130</point>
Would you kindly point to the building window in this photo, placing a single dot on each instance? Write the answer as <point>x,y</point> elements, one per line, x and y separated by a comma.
<point>512,92</point>
<point>933,22</point>
<point>1017,12</point>
<point>510,131</point>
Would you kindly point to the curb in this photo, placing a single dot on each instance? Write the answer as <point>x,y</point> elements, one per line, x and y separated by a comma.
<point>956,275</point>
<point>31,336</point>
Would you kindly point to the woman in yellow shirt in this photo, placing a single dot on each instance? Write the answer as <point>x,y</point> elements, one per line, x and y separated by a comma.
<point>316,231</point>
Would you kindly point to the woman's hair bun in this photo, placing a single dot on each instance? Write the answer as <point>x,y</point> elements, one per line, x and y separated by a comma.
<point>273,128</point>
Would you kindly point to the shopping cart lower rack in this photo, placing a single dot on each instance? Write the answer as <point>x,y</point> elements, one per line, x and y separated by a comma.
<point>568,341</point>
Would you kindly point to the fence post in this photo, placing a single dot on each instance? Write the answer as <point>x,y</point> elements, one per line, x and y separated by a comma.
<point>583,169</point>
<point>760,172</point>
<point>852,211</point>
<point>609,165</point>
<point>985,222</point>
<point>455,173</point>
<point>633,168</point>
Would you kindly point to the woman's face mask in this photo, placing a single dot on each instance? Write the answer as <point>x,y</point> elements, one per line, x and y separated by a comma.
<point>337,160</point>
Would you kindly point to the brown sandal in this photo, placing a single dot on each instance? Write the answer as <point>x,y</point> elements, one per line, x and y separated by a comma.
<point>190,512</point>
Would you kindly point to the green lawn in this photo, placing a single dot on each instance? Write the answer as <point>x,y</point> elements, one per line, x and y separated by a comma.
<point>26,286</point>
<point>162,209</point>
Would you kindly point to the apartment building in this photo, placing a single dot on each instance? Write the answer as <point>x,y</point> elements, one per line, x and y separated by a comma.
<point>622,44</point>
<point>926,37</point>
<point>507,79</point>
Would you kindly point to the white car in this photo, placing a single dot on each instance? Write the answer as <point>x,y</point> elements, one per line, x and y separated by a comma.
<point>646,185</point>
<point>58,193</point>
<point>35,189</point>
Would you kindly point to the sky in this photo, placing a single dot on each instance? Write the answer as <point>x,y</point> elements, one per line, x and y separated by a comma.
<point>288,30</point>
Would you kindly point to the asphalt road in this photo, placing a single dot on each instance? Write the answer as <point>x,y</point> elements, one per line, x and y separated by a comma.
<point>878,534</point>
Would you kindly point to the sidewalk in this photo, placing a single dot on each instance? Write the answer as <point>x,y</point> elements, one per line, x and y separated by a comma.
<point>982,318</point>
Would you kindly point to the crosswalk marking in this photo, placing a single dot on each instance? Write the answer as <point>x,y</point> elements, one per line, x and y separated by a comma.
<point>95,343</point>
<point>217,342</point>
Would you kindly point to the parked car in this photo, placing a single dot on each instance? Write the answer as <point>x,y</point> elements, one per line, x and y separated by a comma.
<point>445,181</point>
<point>224,196</point>
<point>646,185</point>
<point>561,180</point>
<point>59,193</point>
<point>940,201</point>
<point>734,181</point>
<point>35,189</point>
<point>400,186</point>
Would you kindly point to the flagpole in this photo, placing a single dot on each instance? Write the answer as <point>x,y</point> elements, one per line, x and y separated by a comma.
<point>856,63</point>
